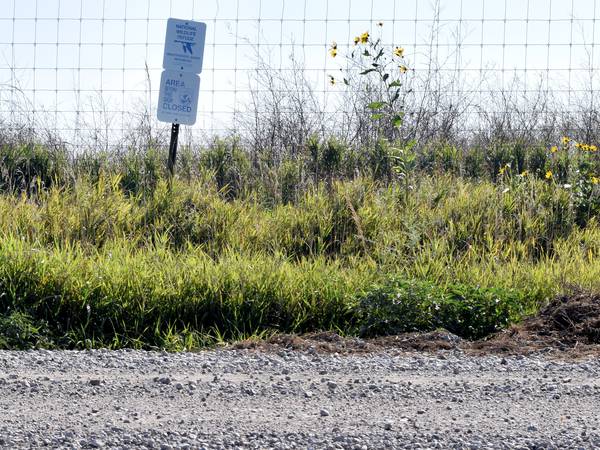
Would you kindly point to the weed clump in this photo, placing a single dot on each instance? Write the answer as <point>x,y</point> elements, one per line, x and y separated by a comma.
<point>18,330</point>
<point>471,312</point>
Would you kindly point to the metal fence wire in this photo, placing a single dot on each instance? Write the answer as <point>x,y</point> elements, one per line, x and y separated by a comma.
<point>87,71</point>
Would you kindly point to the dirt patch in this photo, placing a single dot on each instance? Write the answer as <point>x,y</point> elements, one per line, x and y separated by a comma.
<point>569,325</point>
<point>329,342</point>
<point>573,320</point>
<point>324,342</point>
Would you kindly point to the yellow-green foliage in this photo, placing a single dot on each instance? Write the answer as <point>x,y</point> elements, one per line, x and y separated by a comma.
<point>176,267</point>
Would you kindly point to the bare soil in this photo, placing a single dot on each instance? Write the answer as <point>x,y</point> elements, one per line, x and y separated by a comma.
<point>568,326</point>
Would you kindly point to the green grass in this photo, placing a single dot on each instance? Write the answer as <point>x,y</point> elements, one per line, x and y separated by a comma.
<point>104,253</point>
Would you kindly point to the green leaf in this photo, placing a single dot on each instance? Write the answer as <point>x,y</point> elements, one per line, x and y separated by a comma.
<point>397,120</point>
<point>376,105</point>
<point>366,53</point>
<point>386,76</point>
<point>346,82</point>
<point>376,116</point>
<point>364,72</point>
<point>395,83</point>
<point>396,95</point>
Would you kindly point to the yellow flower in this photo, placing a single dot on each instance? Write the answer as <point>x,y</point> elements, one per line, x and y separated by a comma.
<point>553,149</point>
<point>403,69</point>
<point>593,148</point>
<point>356,40</point>
<point>364,38</point>
<point>503,169</point>
<point>595,180</point>
<point>565,140</point>
<point>549,175</point>
<point>399,52</point>
<point>525,173</point>
<point>331,80</point>
<point>333,49</point>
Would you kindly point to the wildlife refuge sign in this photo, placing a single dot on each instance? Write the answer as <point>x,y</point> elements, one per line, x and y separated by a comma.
<point>179,82</point>
<point>182,61</point>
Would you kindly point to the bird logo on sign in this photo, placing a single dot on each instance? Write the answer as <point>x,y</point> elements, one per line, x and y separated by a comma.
<point>187,46</point>
<point>185,99</point>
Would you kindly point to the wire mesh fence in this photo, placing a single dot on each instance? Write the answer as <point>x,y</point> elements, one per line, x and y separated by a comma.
<point>86,72</point>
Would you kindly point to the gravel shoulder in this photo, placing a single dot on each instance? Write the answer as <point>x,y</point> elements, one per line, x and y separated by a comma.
<point>245,398</point>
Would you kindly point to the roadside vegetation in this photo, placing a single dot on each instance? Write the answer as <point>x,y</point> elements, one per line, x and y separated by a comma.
<point>392,221</point>
<point>104,251</point>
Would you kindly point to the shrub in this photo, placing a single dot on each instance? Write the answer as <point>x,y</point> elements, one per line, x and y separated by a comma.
<point>474,163</point>
<point>23,167</point>
<point>290,176</point>
<point>229,164</point>
<point>19,331</point>
<point>471,312</point>
<point>142,172</point>
<point>537,160</point>
<point>380,160</point>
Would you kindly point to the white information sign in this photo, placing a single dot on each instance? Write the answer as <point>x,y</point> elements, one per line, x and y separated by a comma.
<point>184,45</point>
<point>178,98</point>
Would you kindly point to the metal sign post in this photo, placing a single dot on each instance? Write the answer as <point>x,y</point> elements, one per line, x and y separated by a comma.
<point>173,149</point>
<point>179,82</point>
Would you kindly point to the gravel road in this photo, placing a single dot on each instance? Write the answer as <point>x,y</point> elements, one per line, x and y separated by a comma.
<point>250,399</point>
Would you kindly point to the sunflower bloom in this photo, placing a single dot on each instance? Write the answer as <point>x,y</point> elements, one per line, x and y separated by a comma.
<point>595,180</point>
<point>333,49</point>
<point>403,69</point>
<point>524,173</point>
<point>565,140</point>
<point>549,175</point>
<point>364,38</point>
<point>399,52</point>
<point>593,148</point>
<point>553,149</point>
<point>356,40</point>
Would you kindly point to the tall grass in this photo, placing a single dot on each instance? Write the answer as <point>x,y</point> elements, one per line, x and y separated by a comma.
<point>103,251</point>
